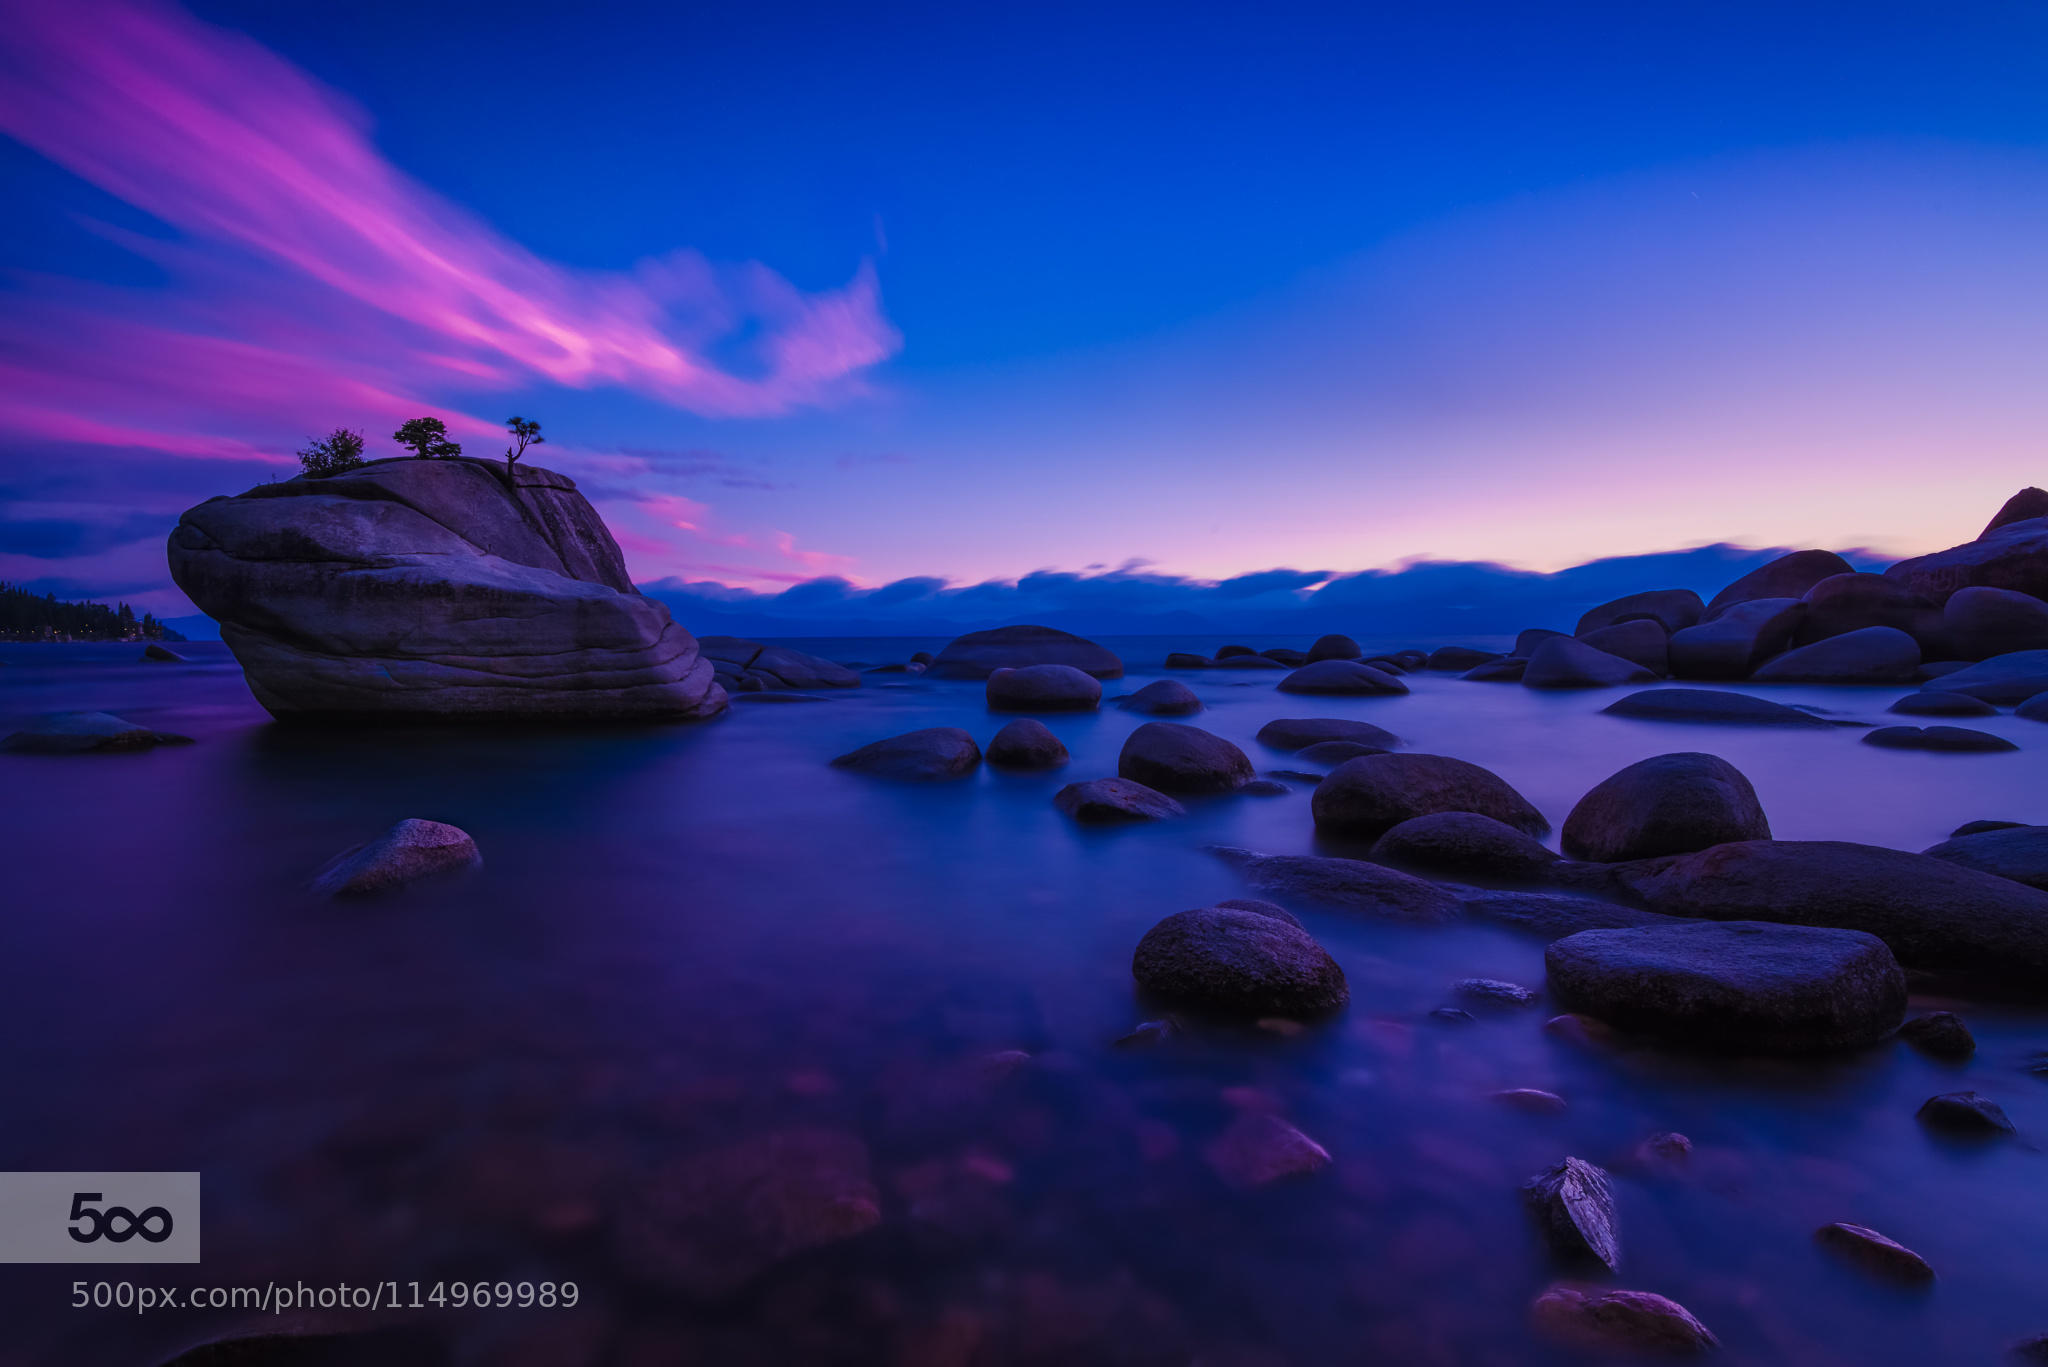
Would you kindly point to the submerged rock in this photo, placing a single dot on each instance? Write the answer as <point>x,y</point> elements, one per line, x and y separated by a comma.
<point>1112,801</point>
<point>1341,677</point>
<point>1619,1322</point>
<point>1258,1149</point>
<point>1574,1206</point>
<point>1296,733</point>
<point>979,654</point>
<point>1347,884</point>
<point>1941,1034</point>
<point>1043,688</point>
<point>1874,1253</point>
<point>1165,698</point>
<point>1331,753</point>
<point>1026,743</point>
<point>1732,644</point>
<point>1175,758</point>
<point>1942,705</point>
<point>1238,964</point>
<point>751,665</point>
<point>1951,739</point>
<point>158,653</point>
<point>1871,655</point>
<point>1711,706</point>
<point>1965,1113</point>
<point>1252,661</point>
<point>1741,985</point>
<point>442,588</point>
<point>1465,844</point>
<point>411,850</point>
<point>1789,576</point>
<point>77,733</point>
<point>1668,804</point>
<point>1563,662</point>
<point>934,753</point>
<point>1494,992</point>
<point>1364,798</point>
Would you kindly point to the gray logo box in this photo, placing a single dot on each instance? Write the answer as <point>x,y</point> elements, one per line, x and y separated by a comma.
<point>99,1217</point>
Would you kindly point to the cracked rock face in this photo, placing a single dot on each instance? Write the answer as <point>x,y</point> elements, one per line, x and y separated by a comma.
<point>435,588</point>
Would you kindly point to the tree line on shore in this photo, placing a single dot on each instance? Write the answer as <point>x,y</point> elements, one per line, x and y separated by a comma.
<point>26,616</point>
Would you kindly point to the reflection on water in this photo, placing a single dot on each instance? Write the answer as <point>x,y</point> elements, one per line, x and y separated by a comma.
<point>695,953</point>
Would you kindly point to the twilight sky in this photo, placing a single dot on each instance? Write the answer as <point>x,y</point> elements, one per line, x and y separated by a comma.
<point>968,292</point>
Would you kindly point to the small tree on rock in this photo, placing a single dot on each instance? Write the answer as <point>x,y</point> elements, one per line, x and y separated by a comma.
<point>339,450</point>
<point>427,438</point>
<point>525,433</point>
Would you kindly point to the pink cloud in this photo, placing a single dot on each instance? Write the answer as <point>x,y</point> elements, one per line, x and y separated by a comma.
<point>225,140</point>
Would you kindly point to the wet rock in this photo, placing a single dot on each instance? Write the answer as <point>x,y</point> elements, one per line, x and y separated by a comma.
<point>1459,658</point>
<point>1296,733</point>
<point>932,754</point>
<point>1563,662</point>
<point>2013,556</point>
<point>1234,652</point>
<point>1181,659</point>
<point>1965,1113</point>
<point>1665,1151</point>
<point>2007,680</point>
<point>1175,758</point>
<point>1507,669</point>
<point>1043,688</point>
<point>1667,804</point>
<point>1148,1034</point>
<point>1258,1149</point>
<point>1947,739</point>
<point>1868,656</point>
<point>1748,986</point>
<point>1334,647</point>
<point>2016,852</point>
<point>1619,1322</point>
<point>1166,698</point>
<point>1293,659</point>
<point>1941,1034</point>
<point>1672,609</point>
<point>709,1224</point>
<point>1789,576</point>
<point>1574,1206</point>
<point>1112,801</point>
<point>1494,992</point>
<point>1855,602</point>
<point>1345,884</point>
<point>1936,704</point>
<point>1264,787</point>
<point>1465,844</point>
<point>411,850</point>
<point>1982,622</point>
<point>1331,753</point>
<point>1026,744</point>
<point>1452,1015</point>
<point>1641,642</point>
<point>2033,709</point>
<point>1346,677</point>
<point>161,654</point>
<point>979,654</point>
<point>1533,1100</point>
<point>1364,798</point>
<point>1874,1253</point>
<point>1933,913</point>
<point>2027,503</point>
<point>1554,915</point>
<point>1238,964</point>
<point>1710,706</point>
<point>1259,906</point>
<point>1527,641</point>
<point>1975,827</point>
<point>1733,644</point>
<point>78,733</point>
<point>1247,662</point>
<point>741,662</point>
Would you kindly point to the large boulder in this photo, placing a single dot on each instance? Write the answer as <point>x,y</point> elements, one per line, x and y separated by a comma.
<point>935,753</point>
<point>2016,852</point>
<point>1641,640</point>
<point>1711,706</point>
<point>1043,688</point>
<point>1947,739</point>
<point>1934,914</point>
<point>1364,798</point>
<point>1334,647</point>
<point>1733,643</point>
<point>1240,964</point>
<point>1869,656</point>
<point>1175,758</point>
<point>749,666</point>
<point>1463,845</point>
<point>2027,503</point>
<point>1982,622</point>
<point>1667,804</point>
<point>2013,556</point>
<point>1529,638</point>
<point>1672,609</point>
<point>1165,698</point>
<point>78,733</point>
<point>1563,662</point>
<point>1346,885</point>
<point>1851,602</point>
<point>979,654</point>
<point>1749,986</point>
<point>2006,680</point>
<point>1296,733</point>
<point>1341,676</point>
<point>1789,576</point>
<point>1026,744</point>
<point>441,588</point>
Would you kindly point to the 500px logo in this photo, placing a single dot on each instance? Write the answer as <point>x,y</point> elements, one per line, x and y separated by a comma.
<point>99,1217</point>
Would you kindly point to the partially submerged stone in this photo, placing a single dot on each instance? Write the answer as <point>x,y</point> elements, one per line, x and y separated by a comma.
<point>1874,1253</point>
<point>1238,964</point>
<point>1573,1203</point>
<point>1114,801</point>
<point>1619,1322</point>
<point>78,733</point>
<point>411,850</point>
<point>934,753</point>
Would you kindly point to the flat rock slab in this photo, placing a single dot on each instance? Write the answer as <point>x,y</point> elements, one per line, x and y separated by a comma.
<point>79,733</point>
<point>1954,740</point>
<point>1710,706</point>
<point>1298,733</point>
<point>411,850</point>
<point>933,754</point>
<point>1744,986</point>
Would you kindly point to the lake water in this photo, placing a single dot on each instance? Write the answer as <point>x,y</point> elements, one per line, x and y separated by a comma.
<point>689,940</point>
